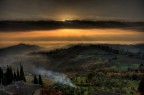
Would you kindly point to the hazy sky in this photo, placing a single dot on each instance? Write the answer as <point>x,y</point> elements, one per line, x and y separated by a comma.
<point>132,10</point>
<point>128,10</point>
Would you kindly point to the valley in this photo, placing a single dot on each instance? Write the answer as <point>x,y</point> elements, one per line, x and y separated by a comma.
<point>81,69</point>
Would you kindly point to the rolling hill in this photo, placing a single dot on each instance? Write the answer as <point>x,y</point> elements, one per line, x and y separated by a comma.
<point>18,49</point>
<point>101,69</point>
<point>71,58</point>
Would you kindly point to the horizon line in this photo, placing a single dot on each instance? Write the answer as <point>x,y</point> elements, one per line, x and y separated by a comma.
<point>68,20</point>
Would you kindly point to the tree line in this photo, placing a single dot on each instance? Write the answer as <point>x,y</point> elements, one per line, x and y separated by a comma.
<point>9,75</point>
<point>38,80</point>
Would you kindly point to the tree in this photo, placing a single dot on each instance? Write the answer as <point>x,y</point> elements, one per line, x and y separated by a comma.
<point>4,79</point>
<point>35,81</point>
<point>1,75</point>
<point>17,75</point>
<point>22,76</point>
<point>14,76</point>
<point>9,75</point>
<point>40,80</point>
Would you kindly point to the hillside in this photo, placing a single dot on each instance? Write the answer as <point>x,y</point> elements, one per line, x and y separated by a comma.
<point>79,57</point>
<point>18,49</point>
<point>72,57</point>
<point>95,69</point>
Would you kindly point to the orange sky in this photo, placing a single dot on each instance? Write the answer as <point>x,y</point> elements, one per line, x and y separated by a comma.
<point>78,35</point>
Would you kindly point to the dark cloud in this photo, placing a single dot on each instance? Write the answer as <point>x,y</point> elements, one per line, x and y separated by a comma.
<point>71,9</point>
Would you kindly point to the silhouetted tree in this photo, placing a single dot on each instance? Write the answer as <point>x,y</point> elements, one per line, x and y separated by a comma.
<point>35,81</point>
<point>22,76</point>
<point>40,80</point>
<point>4,79</point>
<point>1,75</point>
<point>17,75</point>
<point>9,75</point>
<point>14,76</point>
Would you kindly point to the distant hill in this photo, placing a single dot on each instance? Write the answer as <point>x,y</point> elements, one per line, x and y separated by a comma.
<point>79,57</point>
<point>18,49</point>
<point>72,57</point>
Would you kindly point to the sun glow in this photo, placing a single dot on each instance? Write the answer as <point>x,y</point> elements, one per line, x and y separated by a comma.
<point>97,33</point>
<point>65,17</point>
<point>118,36</point>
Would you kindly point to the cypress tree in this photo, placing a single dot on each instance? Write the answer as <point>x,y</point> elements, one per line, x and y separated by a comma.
<point>14,76</point>
<point>40,80</point>
<point>4,79</point>
<point>22,76</point>
<point>35,81</point>
<point>9,75</point>
<point>17,75</point>
<point>1,75</point>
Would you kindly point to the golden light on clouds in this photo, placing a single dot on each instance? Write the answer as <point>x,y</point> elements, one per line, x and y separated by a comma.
<point>70,33</point>
<point>118,36</point>
<point>63,16</point>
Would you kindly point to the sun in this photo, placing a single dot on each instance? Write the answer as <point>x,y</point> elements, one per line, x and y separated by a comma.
<point>66,17</point>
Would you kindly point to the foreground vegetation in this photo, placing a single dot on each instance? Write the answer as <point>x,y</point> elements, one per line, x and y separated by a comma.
<point>126,82</point>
